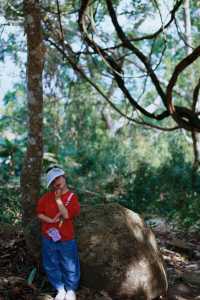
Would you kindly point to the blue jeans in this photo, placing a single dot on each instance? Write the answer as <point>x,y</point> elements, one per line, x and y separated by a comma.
<point>61,263</point>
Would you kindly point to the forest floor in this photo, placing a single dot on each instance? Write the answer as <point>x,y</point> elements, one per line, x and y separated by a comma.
<point>19,280</point>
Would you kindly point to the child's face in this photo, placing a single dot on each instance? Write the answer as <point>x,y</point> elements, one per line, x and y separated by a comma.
<point>59,183</point>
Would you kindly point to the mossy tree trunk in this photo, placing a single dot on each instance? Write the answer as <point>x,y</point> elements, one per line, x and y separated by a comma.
<point>31,171</point>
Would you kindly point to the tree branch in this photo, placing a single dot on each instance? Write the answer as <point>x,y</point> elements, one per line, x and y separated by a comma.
<point>127,44</point>
<point>183,64</point>
<point>196,95</point>
<point>117,72</point>
<point>79,70</point>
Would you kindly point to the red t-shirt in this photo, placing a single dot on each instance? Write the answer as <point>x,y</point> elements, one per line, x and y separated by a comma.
<point>47,206</point>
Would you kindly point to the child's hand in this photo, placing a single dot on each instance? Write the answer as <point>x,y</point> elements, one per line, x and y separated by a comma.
<point>58,193</point>
<point>47,219</point>
<point>56,219</point>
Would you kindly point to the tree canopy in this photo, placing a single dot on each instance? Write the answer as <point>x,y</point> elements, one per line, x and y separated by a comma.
<point>112,70</point>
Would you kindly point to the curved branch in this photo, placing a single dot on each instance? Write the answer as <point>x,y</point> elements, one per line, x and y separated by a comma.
<point>183,64</point>
<point>196,95</point>
<point>163,27</point>
<point>127,44</point>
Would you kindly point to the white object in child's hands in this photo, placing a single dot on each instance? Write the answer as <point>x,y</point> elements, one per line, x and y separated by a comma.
<point>54,234</point>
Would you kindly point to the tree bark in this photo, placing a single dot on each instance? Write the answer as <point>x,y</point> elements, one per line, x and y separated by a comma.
<point>188,29</point>
<point>31,171</point>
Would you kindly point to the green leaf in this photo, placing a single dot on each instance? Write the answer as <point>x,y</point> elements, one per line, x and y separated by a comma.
<point>31,276</point>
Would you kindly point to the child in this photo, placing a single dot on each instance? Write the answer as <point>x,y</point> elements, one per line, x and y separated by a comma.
<point>56,210</point>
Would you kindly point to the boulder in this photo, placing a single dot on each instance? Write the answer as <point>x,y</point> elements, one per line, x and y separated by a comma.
<point>119,254</point>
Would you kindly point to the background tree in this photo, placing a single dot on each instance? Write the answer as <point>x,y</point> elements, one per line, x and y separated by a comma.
<point>192,76</point>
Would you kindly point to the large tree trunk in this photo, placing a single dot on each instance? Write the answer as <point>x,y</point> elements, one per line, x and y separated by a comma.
<point>31,171</point>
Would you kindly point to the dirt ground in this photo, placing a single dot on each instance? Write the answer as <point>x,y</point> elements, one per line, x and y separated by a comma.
<point>20,279</point>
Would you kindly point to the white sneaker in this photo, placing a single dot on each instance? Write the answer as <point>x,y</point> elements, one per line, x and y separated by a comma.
<point>60,295</point>
<point>70,295</point>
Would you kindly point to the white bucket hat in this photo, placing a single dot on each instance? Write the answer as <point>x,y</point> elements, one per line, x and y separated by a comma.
<point>53,174</point>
